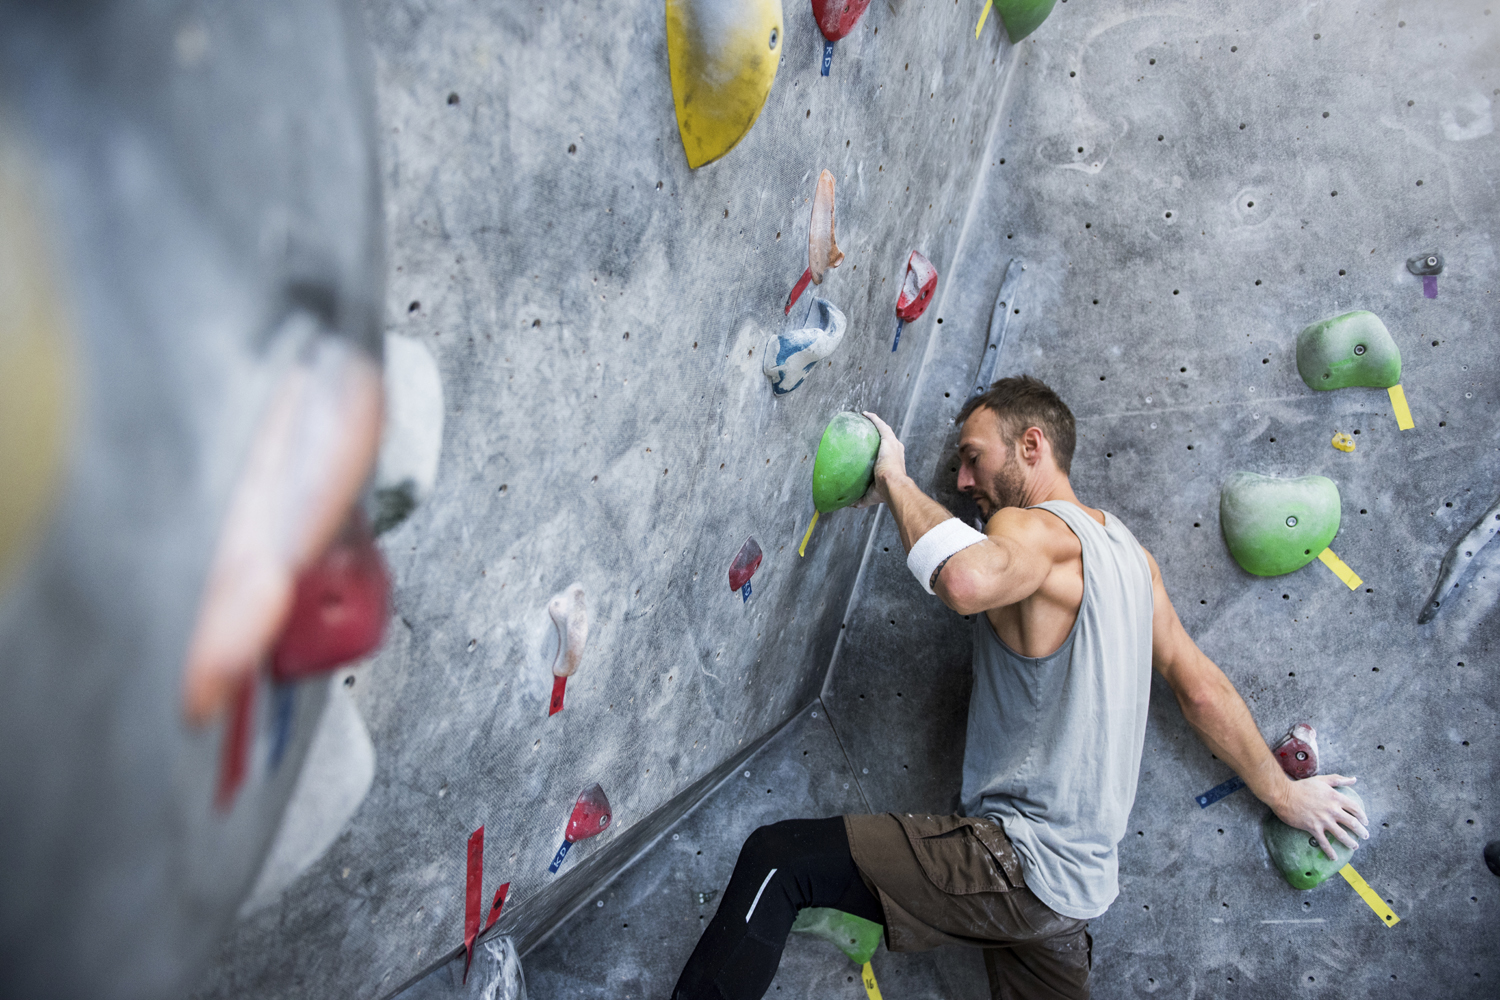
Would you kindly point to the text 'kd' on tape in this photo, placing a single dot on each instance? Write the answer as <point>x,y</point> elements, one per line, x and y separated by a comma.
<point>1370,896</point>
<point>982,16</point>
<point>1399,407</point>
<point>1340,569</point>
<point>867,976</point>
<point>1217,792</point>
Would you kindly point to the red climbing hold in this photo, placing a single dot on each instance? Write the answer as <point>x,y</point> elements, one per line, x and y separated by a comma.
<point>591,815</point>
<point>746,562</point>
<point>338,610</point>
<point>1298,752</point>
<point>916,288</point>
<point>836,18</point>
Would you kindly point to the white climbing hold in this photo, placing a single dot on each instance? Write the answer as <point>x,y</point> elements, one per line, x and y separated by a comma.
<point>412,436</point>
<point>571,617</point>
<point>789,357</point>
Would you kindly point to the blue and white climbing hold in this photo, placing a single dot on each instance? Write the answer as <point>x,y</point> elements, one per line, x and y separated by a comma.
<point>791,356</point>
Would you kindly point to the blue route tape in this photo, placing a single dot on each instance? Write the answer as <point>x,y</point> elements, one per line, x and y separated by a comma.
<point>284,698</point>
<point>827,56</point>
<point>745,590</point>
<point>1217,792</point>
<point>557,859</point>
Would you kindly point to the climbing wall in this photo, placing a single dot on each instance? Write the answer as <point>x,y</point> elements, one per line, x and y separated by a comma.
<point>598,314</point>
<point>1189,188</point>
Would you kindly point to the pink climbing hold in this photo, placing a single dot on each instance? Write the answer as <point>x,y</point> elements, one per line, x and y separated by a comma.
<point>916,288</point>
<point>746,562</point>
<point>1297,753</point>
<point>836,18</point>
<point>590,818</point>
<point>339,608</point>
<point>823,251</point>
<point>591,815</point>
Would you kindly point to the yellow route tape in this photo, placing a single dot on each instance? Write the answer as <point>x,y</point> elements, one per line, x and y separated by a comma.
<point>982,15</point>
<point>1398,405</point>
<point>867,976</point>
<point>1340,569</point>
<point>1370,896</point>
<point>802,550</point>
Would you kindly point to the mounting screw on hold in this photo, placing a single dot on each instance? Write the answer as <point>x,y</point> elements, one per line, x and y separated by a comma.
<point>1291,521</point>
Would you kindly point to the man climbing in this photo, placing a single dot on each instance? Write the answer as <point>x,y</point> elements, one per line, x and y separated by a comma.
<point>1070,615</point>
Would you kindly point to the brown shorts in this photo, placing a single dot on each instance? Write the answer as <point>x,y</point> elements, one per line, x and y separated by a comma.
<point>957,880</point>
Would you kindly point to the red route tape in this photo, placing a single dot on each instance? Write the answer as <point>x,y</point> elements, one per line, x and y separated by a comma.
<point>472,893</point>
<point>499,903</point>
<point>234,752</point>
<point>559,685</point>
<point>800,287</point>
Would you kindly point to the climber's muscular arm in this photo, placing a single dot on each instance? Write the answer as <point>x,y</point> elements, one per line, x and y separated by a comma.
<point>1221,719</point>
<point>1011,564</point>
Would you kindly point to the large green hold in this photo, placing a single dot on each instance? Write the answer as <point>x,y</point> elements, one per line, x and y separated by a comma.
<point>1299,858</point>
<point>856,937</point>
<point>1274,526</point>
<point>1022,17</point>
<point>845,461</point>
<point>1348,350</point>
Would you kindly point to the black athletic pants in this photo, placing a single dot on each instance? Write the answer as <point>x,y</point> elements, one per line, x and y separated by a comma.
<point>781,869</point>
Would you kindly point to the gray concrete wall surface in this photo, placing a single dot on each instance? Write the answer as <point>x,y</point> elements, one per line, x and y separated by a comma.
<point>1168,176</point>
<point>651,917</point>
<point>1164,306</point>
<point>598,314</point>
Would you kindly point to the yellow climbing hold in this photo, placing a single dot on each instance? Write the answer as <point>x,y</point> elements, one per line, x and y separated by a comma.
<point>802,549</point>
<point>988,5</point>
<point>1370,896</point>
<point>867,976</point>
<point>1399,407</point>
<point>1342,441</point>
<point>1340,569</point>
<point>723,56</point>
<point>35,366</point>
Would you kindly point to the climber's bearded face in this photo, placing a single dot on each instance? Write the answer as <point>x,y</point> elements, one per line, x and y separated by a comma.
<point>990,470</point>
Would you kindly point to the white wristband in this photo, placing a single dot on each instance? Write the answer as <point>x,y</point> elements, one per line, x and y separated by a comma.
<point>937,546</point>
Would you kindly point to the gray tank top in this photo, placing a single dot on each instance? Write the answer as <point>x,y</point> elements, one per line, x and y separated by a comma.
<point>1054,743</point>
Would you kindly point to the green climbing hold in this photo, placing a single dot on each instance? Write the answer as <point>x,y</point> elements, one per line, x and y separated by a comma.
<point>1022,17</point>
<point>1348,350</point>
<point>1300,859</point>
<point>1274,526</point>
<point>845,461</point>
<point>856,937</point>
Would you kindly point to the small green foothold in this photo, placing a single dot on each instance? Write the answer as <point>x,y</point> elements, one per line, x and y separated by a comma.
<point>1022,17</point>
<point>845,462</point>
<point>1298,857</point>
<point>1354,349</point>
<point>1274,526</point>
<point>856,937</point>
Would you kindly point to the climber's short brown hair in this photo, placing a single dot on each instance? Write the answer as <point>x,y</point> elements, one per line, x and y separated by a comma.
<point>1022,401</point>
